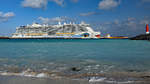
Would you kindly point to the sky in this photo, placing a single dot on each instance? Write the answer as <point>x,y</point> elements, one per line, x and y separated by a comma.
<point>115,17</point>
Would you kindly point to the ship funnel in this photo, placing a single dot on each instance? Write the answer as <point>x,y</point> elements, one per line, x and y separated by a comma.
<point>70,23</point>
<point>59,23</point>
<point>65,23</point>
<point>147,29</point>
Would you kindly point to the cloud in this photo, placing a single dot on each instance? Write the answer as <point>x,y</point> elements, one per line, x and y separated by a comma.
<point>59,2</point>
<point>44,20</point>
<point>40,3</point>
<point>55,20</point>
<point>50,20</point>
<point>35,3</point>
<point>108,4</point>
<point>145,22</point>
<point>6,16</point>
<point>75,1</point>
<point>43,3</point>
<point>89,13</point>
<point>127,27</point>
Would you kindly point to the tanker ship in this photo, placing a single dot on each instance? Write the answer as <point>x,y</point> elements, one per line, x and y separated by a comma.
<point>64,30</point>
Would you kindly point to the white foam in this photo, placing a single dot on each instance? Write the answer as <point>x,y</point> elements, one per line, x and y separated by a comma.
<point>94,79</point>
<point>25,74</point>
<point>97,65</point>
<point>126,82</point>
<point>29,75</point>
<point>116,82</point>
<point>4,73</point>
<point>41,75</point>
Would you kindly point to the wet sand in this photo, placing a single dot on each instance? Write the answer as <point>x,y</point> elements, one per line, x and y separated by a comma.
<point>29,80</point>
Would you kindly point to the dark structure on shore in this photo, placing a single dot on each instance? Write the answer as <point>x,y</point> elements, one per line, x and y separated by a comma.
<point>4,37</point>
<point>143,36</point>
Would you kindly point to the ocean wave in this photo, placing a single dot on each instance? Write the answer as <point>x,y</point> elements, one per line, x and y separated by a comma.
<point>26,73</point>
<point>105,80</point>
<point>117,82</point>
<point>112,77</point>
<point>94,79</point>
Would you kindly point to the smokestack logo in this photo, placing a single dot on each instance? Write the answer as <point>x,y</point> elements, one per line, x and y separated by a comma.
<point>147,29</point>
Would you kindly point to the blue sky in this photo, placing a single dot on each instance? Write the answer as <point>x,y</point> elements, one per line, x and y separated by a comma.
<point>117,17</point>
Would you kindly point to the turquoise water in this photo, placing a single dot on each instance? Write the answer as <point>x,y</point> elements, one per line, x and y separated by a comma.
<point>90,55</point>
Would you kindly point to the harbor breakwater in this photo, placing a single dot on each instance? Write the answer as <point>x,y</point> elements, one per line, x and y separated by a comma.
<point>141,37</point>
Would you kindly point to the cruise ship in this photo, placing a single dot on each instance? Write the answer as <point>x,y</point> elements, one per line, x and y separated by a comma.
<point>64,30</point>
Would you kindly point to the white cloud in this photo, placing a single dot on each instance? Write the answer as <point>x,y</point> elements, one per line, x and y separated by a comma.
<point>145,21</point>
<point>116,21</point>
<point>108,4</point>
<point>130,26</point>
<point>55,20</point>
<point>44,20</point>
<point>87,14</point>
<point>51,20</point>
<point>59,2</point>
<point>40,3</point>
<point>6,16</point>
<point>35,3</point>
<point>75,1</point>
<point>90,13</point>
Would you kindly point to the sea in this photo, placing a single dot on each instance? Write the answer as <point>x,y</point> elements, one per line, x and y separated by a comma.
<point>95,60</point>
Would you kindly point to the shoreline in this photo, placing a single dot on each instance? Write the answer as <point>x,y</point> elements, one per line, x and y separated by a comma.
<point>92,80</point>
<point>84,78</point>
<point>31,80</point>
